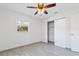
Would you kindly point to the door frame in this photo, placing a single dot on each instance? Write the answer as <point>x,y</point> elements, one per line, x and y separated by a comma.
<point>46,26</point>
<point>48,31</point>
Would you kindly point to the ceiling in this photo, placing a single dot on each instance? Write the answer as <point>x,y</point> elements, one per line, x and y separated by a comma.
<point>60,8</point>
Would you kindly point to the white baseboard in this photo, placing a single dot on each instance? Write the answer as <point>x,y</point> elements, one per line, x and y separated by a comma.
<point>15,46</point>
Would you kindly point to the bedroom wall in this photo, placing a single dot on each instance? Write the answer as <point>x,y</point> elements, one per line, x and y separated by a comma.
<point>9,37</point>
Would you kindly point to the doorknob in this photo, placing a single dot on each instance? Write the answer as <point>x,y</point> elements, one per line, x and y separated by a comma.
<point>72,34</point>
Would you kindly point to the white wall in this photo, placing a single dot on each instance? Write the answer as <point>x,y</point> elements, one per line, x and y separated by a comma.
<point>9,37</point>
<point>75,32</point>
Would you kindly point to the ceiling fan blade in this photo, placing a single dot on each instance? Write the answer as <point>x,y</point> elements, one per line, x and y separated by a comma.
<point>30,7</point>
<point>45,12</point>
<point>50,5</point>
<point>35,12</point>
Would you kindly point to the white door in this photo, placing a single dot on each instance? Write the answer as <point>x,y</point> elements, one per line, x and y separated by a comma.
<point>51,31</point>
<point>75,33</point>
<point>60,33</point>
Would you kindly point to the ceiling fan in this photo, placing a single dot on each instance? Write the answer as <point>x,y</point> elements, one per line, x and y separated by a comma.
<point>41,7</point>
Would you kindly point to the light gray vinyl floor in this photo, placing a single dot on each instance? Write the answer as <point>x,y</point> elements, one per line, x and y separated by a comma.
<point>39,49</point>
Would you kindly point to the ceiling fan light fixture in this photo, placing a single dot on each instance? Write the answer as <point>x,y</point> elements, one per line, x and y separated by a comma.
<point>41,8</point>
